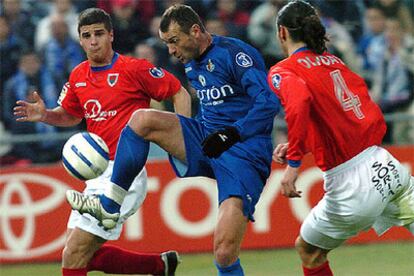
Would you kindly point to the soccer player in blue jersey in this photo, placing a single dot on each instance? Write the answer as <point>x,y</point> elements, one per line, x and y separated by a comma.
<point>230,140</point>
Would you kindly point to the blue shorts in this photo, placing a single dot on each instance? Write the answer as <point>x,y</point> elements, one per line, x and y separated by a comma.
<point>241,171</point>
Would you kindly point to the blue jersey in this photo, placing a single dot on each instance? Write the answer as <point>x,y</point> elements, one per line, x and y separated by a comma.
<point>231,83</point>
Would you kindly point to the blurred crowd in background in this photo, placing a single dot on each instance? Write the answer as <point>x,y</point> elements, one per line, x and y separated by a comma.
<point>39,48</point>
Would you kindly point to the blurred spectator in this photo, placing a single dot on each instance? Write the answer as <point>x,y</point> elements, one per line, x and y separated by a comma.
<point>30,77</point>
<point>156,43</point>
<point>394,76</point>
<point>216,26</point>
<point>261,31</point>
<point>375,25</point>
<point>197,5</point>
<point>10,48</point>
<point>347,13</point>
<point>81,5</point>
<point>37,9</point>
<point>145,9</point>
<point>128,28</point>
<point>235,19</point>
<point>398,9</point>
<point>61,8</point>
<point>61,53</point>
<point>341,43</point>
<point>145,51</point>
<point>19,20</point>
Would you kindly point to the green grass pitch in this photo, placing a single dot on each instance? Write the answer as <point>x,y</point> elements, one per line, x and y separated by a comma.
<point>375,259</point>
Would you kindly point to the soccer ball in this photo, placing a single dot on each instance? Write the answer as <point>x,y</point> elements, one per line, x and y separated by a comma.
<point>85,155</point>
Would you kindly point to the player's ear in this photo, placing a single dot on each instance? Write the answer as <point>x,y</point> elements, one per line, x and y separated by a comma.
<point>111,34</point>
<point>195,30</point>
<point>282,32</point>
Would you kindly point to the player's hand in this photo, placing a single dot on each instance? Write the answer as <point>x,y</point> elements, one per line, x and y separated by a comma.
<point>279,154</point>
<point>30,112</point>
<point>219,141</point>
<point>288,182</point>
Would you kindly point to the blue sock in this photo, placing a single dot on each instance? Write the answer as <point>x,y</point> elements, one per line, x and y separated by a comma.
<point>131,156</point>
<point>109,205</point>
<point>234,269</point>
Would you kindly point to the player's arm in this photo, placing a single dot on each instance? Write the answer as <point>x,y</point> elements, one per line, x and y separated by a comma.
<point>252,78</point>
<point>160,85</point>
<point>296,100</point>
<point>37,112</point>
<point>182,102</point>
<point>259,118</point>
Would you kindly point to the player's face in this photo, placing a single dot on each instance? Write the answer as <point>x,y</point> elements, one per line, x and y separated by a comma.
<point>96,41</point>
<point>183,46</point>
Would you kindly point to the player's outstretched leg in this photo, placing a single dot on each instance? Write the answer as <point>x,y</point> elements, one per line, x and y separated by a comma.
<point>112,259</point>
<point>131,156</point>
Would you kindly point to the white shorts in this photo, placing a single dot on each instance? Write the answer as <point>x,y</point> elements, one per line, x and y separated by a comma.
<point>133,200</point>
<point>372,189</point>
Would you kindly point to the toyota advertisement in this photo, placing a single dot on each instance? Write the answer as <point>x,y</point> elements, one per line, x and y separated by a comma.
<point>177,214</point>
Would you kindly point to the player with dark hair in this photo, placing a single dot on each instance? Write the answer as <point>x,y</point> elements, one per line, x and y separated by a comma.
<point>230,141</point>
<point>330,114</point>
<point>106,90</point>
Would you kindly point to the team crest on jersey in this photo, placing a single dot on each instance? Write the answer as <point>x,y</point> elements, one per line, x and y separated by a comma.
<point>112,79</point>
<point>202,80</point>
<point>244,60</point>
<point>276,79</point>
<point>156,72</point>
<point>210,65</point>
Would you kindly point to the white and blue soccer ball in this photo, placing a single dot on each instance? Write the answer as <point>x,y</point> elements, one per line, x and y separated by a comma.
<point>85,155</point>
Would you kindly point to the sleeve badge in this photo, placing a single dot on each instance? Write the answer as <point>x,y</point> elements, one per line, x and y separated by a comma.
<point>156,72</point>
<point>276,79</point>
<point>244,60</point>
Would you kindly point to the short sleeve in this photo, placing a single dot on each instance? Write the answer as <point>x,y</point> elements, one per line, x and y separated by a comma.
<point>158,83</point>
<point>69,101</point>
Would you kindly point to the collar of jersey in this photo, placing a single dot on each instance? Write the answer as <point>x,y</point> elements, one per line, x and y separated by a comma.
<point>106,67</point>
<point>301,49</point>
<point>201,57</point>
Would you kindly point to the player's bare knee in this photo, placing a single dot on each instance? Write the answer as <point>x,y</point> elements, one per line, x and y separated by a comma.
<point>141,122</point>
<point>225,253</point>
<point>311,255</point>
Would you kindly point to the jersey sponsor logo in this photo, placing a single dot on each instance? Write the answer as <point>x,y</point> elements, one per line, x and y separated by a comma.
<point>93,111</point>
<point>156,72</point>
<point>210,65</point>
<point>386,179</point>
<point>202,80</point>
<point>214,95</point>
<point>276,79</point>
<point>188,69</point>
<point>244,60</point>
<point>112,79</point>
<point>80,84</point>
